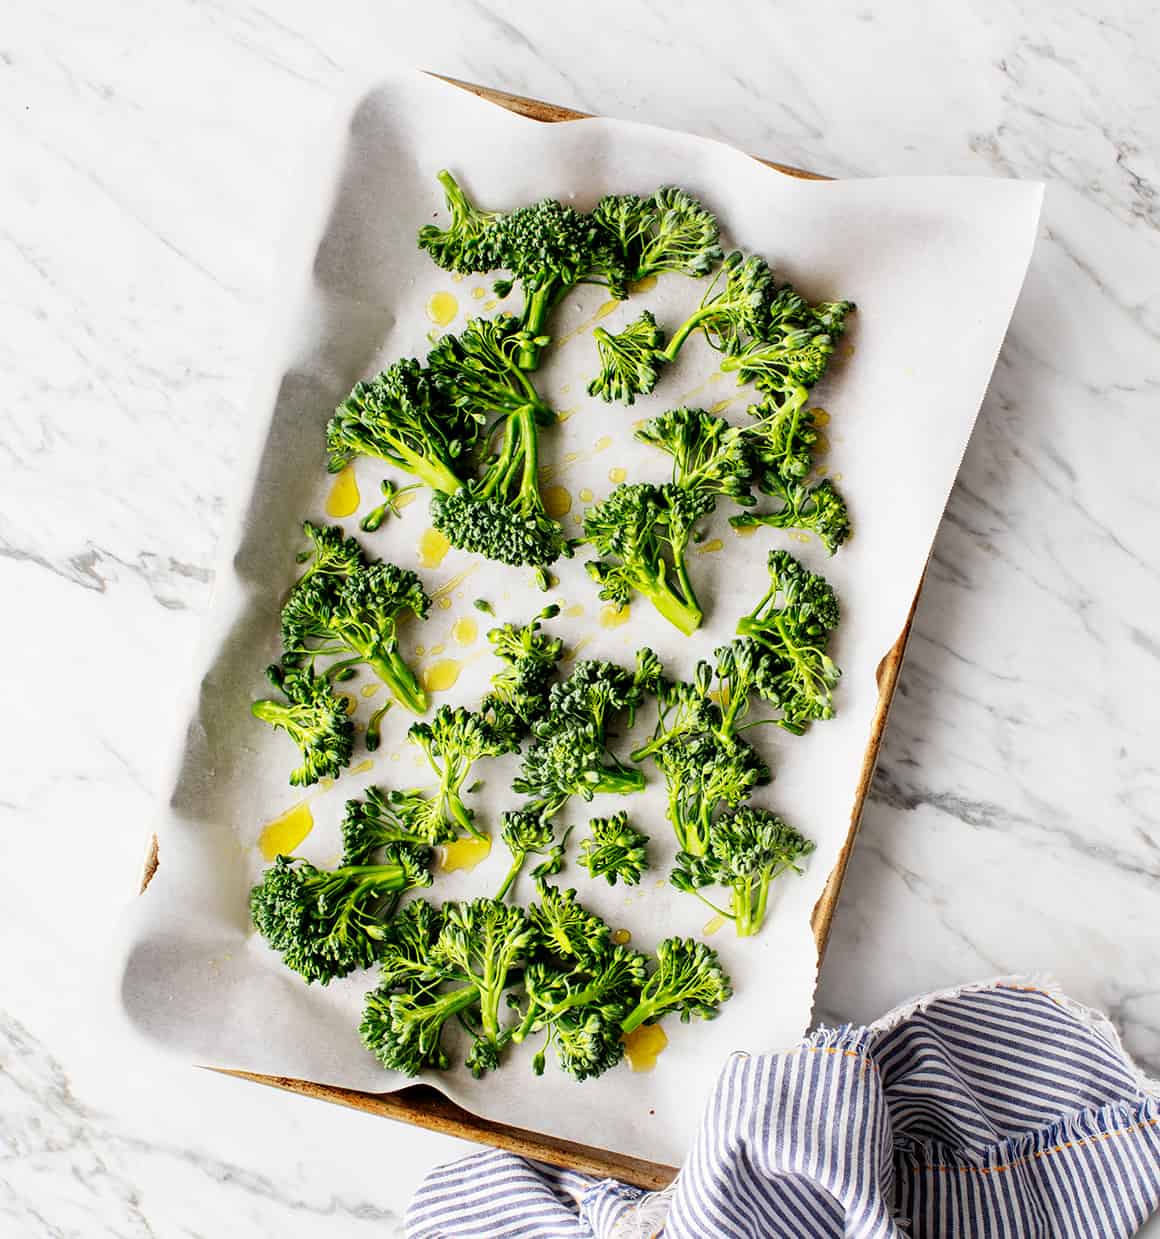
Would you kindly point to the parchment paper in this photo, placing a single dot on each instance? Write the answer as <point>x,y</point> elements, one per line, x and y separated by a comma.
<point>934,265</point>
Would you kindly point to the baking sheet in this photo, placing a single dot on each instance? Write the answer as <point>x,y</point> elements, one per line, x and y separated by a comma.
<point>935,266</point>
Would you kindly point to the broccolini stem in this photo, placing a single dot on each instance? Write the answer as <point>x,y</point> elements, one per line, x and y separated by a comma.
<point>682,615</point>
<point>683,332</point>
<point>391,668</point>
<point>536,310</point>
<point>512,874</point>
<point>619,782</point>
<point>645,1010</point>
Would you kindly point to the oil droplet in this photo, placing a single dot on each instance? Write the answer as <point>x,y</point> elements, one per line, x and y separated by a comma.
<point>442,308</point>
<point>571,457</point>
<point>438,649</point>
<point>800,537</point>
<point>363,766</point>
<point>440,676</point>
<point>612,616</point>
<point>821,445</point>
<point>394,757</point>
<point>420,650</point>
<point>463,854</point>
<point>837,477</point>
<point>617,475</point>
<point>605,310</point>
<point>716,376</point>
<point>281,836</point>
<point>602,444</point>
<point>343,499</point>
<point>712,926</point>
<point>433,547</point>
<point>457,277</point>
<point>621,937</point>
<point>557,501</point>
<point>325,784</point>
<point>479,293</point>
<point>643,285</point>
<point>562,415</point>
<point>585,495</point>
<point>369,690</point>
<point>574,611</point>
<point>465,630</point>
<point>711,547</point>
<point>821,471</point>
<point>721,405</point>
<point>405,499</point>
<point>821,417</point>
<point>643,1045</point>
<point>577,518</point>
<point>745,531</point>
<point>491,304</point>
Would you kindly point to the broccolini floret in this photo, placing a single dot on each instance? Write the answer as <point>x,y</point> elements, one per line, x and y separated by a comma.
<point>400,416</point>
<point>669,231</point>
<point>524,834</point>
<point>615,851</point>
<point>817,509</point>
<point>519,689</point>
<point>750,848</point>
<point>315,717</point>
<point>689,980</point>
<point>375,823</point>
<point>327,923</point>
<point>792,622</point>
<point>452,742</point>
<point>501,515</point>
<point>356,615</point>
<point>643,532</point>
<point>479,949</point>
<point>392,504</point>
<point>465,245</point>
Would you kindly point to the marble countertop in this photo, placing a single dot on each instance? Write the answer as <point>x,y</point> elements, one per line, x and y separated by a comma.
<point>150,155</point>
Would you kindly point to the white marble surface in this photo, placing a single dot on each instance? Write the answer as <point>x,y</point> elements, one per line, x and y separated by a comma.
<point>150,152</point>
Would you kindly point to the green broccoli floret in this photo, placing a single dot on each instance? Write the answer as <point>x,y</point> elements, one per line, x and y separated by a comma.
<point>549,248</point>
<point>327,923</point>
<point>523,834</point>
<point>697,744</point>
<point>781,441</point>
<point>669,231</point>
<point>478,949</point>
<point>629,360</point>
<point>502,514</point>
<point>453,741</point>
<point>642,532</point>
<point>400,416</point>
<point>615,851</point>
<point>374,823</point>
<point>792,622</point>
<point>710,457</point>
<point>596,690</point>
<point>818,509</point>
<point>391,505</point>
<point>519,689</point>
<point>569,760</point>
<point>331,552</point>
<point>793,346</point>
<point>580,1008</point>
<point>749,849</point>
<point>732,312</point>
<point>315,717</point>
<point>466,244</point>
<point>356,615</point>
<point>565,928</point>
<point>688,979</point>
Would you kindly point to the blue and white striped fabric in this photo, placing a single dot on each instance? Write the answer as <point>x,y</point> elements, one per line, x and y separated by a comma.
<point>999,1110</point>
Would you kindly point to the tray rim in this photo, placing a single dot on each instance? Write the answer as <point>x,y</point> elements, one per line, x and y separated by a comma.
<point>423,1105</point>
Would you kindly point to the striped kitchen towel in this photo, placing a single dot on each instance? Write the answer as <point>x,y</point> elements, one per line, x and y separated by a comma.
<point>996,1110</point>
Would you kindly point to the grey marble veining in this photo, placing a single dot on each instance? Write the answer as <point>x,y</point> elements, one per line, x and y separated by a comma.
<point>151,154</point>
